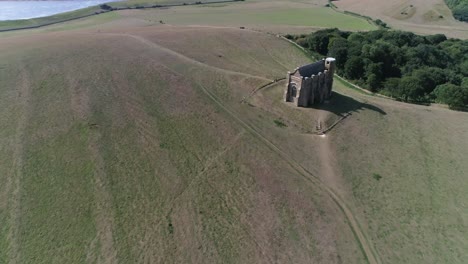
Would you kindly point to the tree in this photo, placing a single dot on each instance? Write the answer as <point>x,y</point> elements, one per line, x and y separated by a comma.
<point>403,38</point>
<point>454,96</point>
<point>105,7</point>
<point>409,89</point>
<point>385,53</point>
<point>338,48</point>
<point>429,55</point>
<point>464,68</point>
<point>354,68</point>
<point>376,69</point>
<point>401,64</point>
<point>429,78</point>
<point>464,82</point>
<point>391,86</point>
<point>319,40</point>
<point>374,82</point>
<point>303,42</point>
<point>436,39</point>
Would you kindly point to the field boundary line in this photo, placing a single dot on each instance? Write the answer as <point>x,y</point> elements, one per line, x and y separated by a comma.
<point>367,18</point>
<point>183,57</point>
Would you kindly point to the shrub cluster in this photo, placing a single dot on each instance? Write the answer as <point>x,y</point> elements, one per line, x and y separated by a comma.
<point>408,67</point>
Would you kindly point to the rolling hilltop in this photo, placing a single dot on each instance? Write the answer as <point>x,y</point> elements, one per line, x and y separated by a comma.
<point>126,140</point>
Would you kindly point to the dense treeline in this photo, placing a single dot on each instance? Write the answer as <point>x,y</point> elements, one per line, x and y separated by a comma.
<point>403,65</point>
<point>459,9</point>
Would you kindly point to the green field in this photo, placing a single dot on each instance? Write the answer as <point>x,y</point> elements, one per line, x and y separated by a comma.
<point>259,14</point>
<point>124,140</point>
<point>264,15</point>
<point>138,163</point>
<point>83,12</point>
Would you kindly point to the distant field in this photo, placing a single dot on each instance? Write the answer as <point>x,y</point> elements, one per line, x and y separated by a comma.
<point>83,13</point>
<point>278,16</point>
<point>260,15</point>
<point>419,16</point>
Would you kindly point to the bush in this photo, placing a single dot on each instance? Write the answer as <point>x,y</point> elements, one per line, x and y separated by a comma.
<point>456,97</point>
<point>278,123</point>
<point>105,7</point>
<point>381,24</point>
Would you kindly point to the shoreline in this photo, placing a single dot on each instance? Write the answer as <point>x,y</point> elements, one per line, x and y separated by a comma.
<point>97,11</point>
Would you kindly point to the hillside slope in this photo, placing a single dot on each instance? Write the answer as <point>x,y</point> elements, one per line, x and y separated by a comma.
<point>152,144</point>
<point>136,163</point>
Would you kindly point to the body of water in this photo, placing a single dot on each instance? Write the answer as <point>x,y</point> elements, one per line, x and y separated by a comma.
<point>13,10</point>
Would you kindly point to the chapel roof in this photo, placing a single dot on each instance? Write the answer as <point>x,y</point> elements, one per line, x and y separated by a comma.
<point>312,69</point>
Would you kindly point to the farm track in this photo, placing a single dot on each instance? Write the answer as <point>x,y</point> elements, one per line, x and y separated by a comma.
<point>254,91</point>
<point>368,250</point>
<point>104,214</point>
<point>14,181</point>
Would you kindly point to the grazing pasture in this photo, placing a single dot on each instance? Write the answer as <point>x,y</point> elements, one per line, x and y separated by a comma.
<point>128,140</point>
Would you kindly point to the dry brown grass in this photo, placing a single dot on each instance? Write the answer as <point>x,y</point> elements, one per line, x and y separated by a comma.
<point>137,147</point>
<point>134,163</point>
<point>420,16</point>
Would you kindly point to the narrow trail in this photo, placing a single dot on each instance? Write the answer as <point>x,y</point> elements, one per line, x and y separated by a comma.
<point>326,166</point>
<point>207,165</point>
<point>14,179</point>
<point>367,248</point>
<point>199,177</point>
<point>203,171</point>
<point>369,252</point>
<point>101,249</point>
<point>104,213</point>
<point>254,91</point>
<point>185,58</point>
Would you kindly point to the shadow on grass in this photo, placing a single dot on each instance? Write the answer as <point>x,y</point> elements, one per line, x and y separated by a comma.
<point>342,105</point>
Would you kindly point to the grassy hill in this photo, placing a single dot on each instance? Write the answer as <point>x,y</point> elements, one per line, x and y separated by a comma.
<point>130,141</point>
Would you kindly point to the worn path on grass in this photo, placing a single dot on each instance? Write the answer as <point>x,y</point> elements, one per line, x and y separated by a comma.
<point>14,180</point>
<point>185,58</point>
<point>367,248</point>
